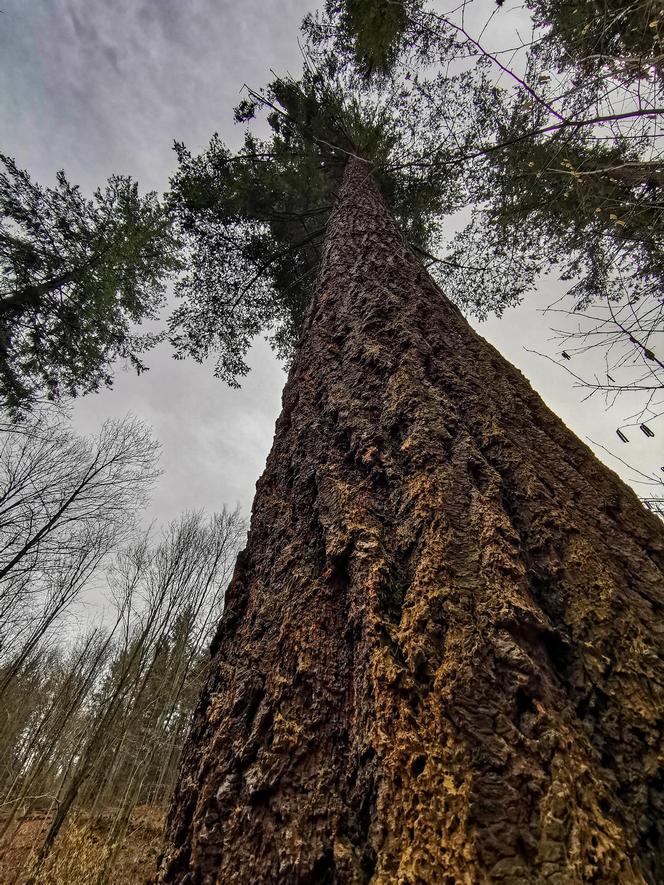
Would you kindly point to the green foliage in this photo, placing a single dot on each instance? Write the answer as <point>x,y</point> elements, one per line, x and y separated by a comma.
<point>595,38</point>
<point>76,275</point>
<point>565,202</point>
<point>408,90</point>
<point>253,222</point>
<point>375,28</point>
<point>253,231</point>
<point>561,164</point>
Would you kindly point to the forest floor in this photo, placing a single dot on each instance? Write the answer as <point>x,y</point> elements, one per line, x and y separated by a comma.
<point>84,848</point>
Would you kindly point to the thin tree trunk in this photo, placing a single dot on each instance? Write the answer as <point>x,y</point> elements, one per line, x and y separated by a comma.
<point>442,654</point>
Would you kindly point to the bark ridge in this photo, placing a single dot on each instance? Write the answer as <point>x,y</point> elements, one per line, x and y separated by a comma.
<point>442,654</point>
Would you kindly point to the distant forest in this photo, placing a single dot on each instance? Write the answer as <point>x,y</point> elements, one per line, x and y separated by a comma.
<point>104,635</point>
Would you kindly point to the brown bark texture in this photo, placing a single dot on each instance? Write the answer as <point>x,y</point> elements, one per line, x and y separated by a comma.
<point>442,654</point>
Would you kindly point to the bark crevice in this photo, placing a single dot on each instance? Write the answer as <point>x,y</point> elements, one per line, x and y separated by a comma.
<point>441,658</point>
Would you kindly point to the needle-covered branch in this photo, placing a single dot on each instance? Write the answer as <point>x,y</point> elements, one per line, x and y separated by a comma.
<point>76,277</point>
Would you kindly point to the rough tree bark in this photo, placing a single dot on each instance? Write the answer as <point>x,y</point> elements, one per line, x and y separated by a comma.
<point>442,654</point>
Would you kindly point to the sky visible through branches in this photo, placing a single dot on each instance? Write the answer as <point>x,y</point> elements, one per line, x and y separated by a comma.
<point>98,88</point>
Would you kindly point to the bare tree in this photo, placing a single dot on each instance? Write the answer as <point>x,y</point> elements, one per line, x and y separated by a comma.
<point>114,743</point>
<point>65,502</point>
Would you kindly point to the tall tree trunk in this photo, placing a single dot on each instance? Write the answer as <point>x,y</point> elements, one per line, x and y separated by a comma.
<point>442,654</point>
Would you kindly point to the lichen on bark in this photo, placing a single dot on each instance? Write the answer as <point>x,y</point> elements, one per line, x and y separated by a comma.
<point>442,654</point>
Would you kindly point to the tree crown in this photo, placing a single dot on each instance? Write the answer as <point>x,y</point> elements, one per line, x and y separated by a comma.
<point>76,275</point>
<point>253,221</point>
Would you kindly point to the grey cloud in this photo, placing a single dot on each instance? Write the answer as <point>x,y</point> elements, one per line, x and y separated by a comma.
<point>99,86</point>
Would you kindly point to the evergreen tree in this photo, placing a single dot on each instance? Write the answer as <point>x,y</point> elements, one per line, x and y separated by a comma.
<point>76,276</point>
<point>563,170</point>
<point>253,223</point>
<point>440,658</point>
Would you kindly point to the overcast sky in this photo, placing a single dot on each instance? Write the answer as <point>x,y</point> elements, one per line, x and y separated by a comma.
<point>103,86</point>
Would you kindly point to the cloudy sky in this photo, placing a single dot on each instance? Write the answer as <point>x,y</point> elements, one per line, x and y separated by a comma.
<point>103,86</point>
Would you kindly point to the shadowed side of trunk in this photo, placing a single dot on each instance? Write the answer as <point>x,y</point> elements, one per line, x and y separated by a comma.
<point>441,658</point>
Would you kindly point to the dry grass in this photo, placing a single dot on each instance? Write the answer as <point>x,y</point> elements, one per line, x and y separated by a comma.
<point>83,848</point>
